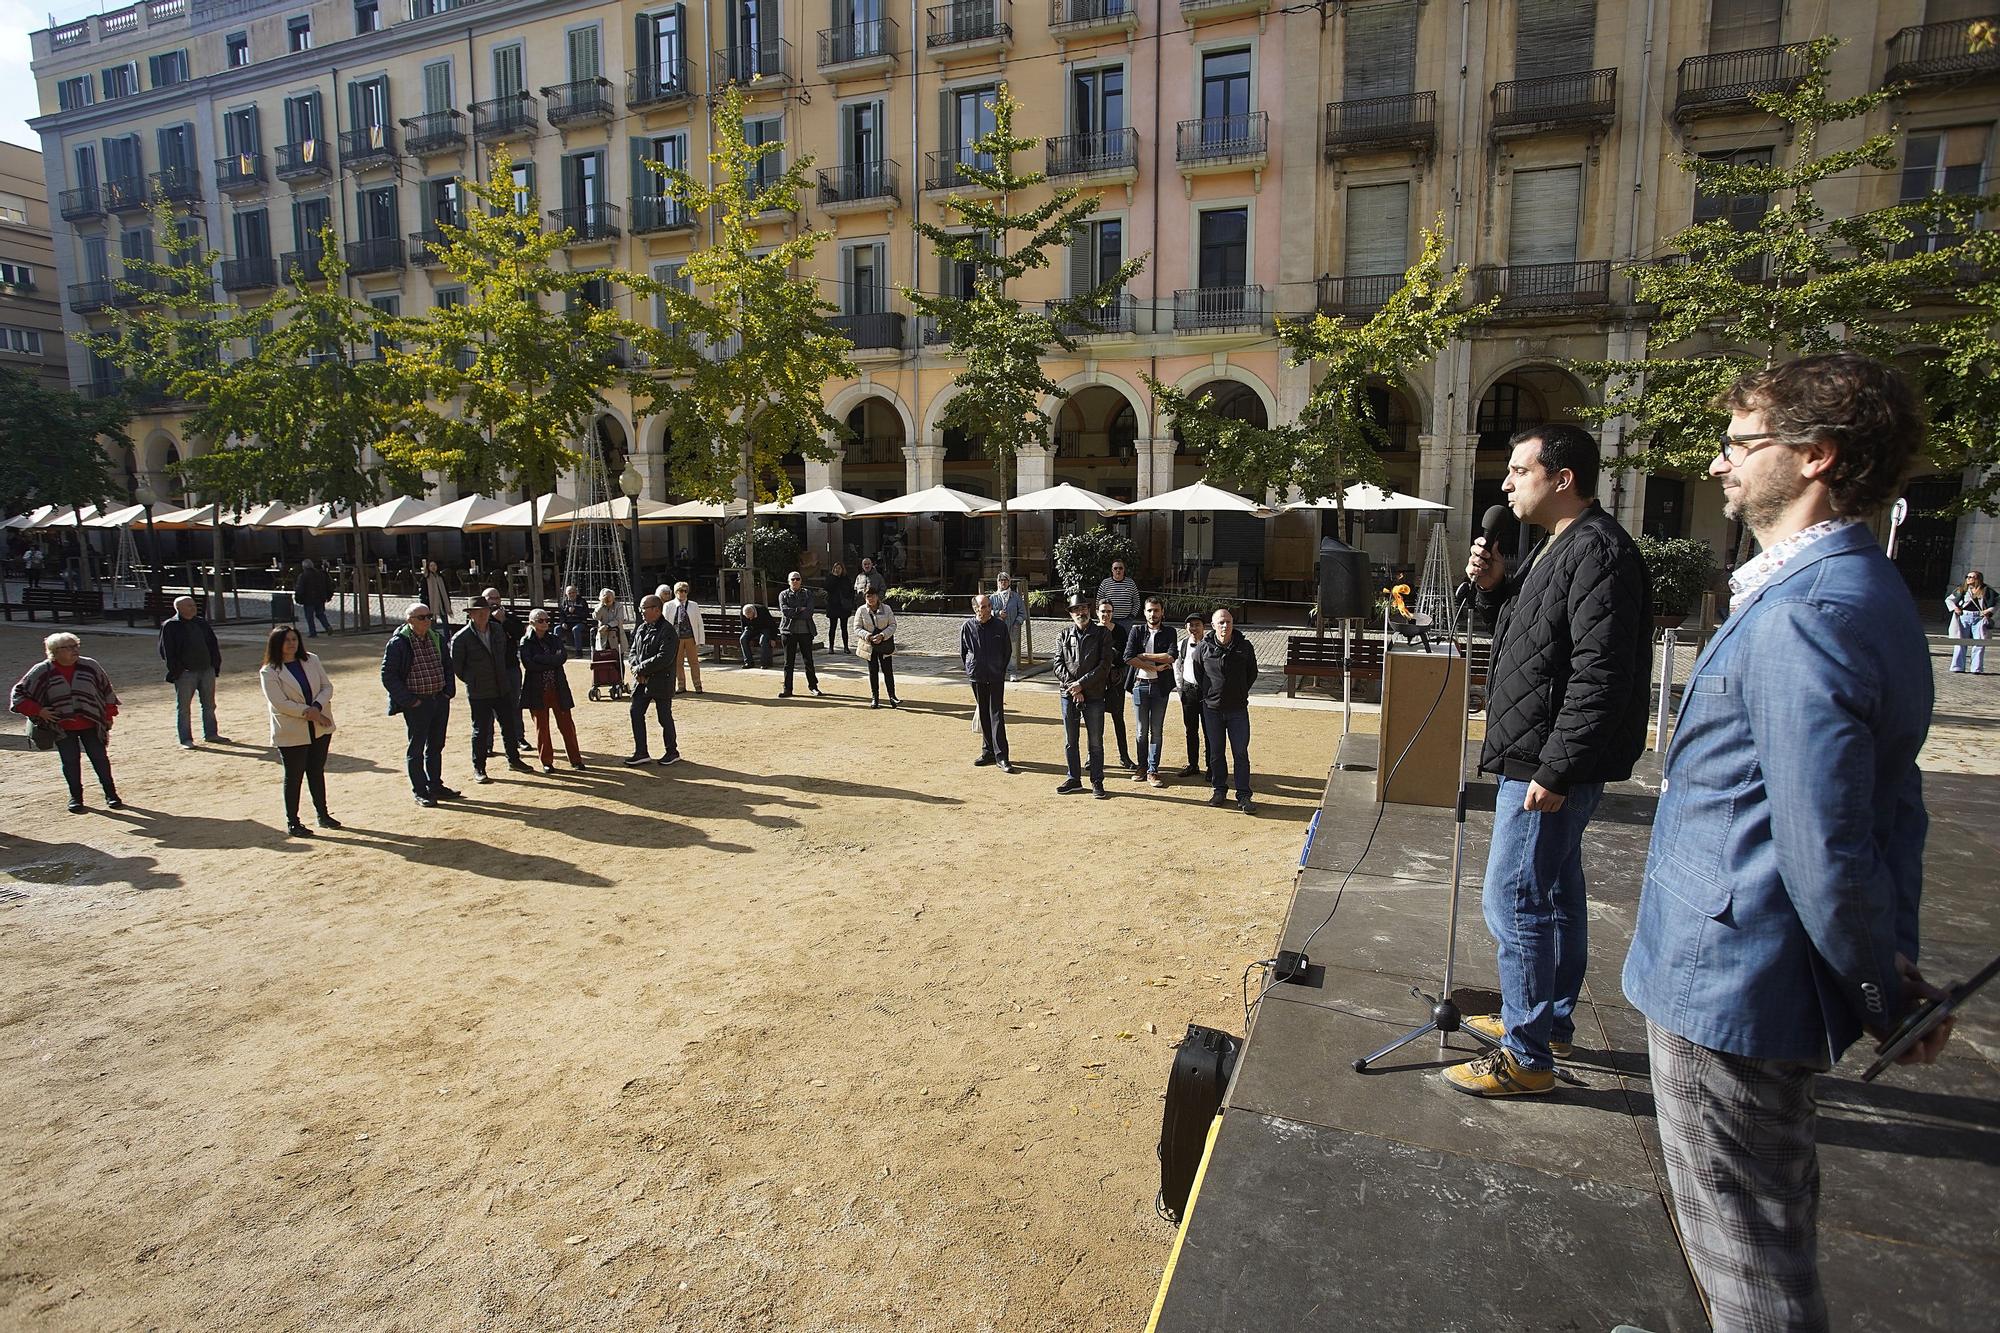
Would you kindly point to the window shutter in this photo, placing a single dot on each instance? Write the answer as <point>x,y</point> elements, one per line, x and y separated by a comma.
<point>86,167</point>
<point>645,45</point>
<point>253,127</point>
<point>1554,37</point>
<point>1745,25</point>
<point>1543,229</point>
<point>437,87</point>
<point>507,76</point>
<point>1082,270</point>
<point>1381,57</point>
<point>948,123</point>
<point>1378,230</point>
<point>583,60</point>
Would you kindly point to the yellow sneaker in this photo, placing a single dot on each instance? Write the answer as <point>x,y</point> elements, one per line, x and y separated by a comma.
<point>1496,1074</point>
<point>1490,1025</point>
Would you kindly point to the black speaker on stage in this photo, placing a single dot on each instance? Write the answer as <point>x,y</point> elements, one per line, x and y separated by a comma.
<point>1343,582</point>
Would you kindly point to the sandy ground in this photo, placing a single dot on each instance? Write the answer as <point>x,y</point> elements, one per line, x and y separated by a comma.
<point>822,1029</point>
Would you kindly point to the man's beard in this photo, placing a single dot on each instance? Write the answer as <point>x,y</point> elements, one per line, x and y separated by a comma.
<point>1761,506</point>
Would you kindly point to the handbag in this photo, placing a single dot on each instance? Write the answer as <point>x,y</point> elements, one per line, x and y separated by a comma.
<point>43,734</point>
<point>868,649</point>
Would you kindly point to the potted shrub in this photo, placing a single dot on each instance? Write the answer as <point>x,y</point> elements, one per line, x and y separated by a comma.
<point>1680,570</point>
<point>1083,559</point>
<point>778,553</point>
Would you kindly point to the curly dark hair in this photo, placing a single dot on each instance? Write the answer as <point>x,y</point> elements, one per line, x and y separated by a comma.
<point>1860,406</point>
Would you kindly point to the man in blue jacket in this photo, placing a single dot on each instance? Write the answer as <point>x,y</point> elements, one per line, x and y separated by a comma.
<point>1778,919</point>
<point>416,671</point>
<point>987,649</point>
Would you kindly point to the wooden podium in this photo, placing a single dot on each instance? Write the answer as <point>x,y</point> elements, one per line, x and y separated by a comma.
<point>1411,683</point>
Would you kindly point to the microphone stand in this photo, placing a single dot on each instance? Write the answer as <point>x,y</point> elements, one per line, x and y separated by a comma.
<point>1445,1018</point>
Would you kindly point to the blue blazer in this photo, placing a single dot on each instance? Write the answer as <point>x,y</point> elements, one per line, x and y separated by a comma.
<point>1787,855</point>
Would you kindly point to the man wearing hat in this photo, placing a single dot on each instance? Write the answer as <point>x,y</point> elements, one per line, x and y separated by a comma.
<point>1084,663</point>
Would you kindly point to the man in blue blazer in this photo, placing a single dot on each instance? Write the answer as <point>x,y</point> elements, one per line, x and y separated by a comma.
<point>1778,919</point>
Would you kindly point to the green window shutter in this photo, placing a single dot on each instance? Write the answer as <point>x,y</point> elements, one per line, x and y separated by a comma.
<point>437,87</point>
<point>583,54</point>
<point>1081,277</point>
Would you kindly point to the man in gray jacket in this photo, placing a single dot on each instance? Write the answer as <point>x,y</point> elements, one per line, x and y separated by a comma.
<point>798,629</point>
<point>655,645</point>
<point>1084,663</point>
<point>486,659</point>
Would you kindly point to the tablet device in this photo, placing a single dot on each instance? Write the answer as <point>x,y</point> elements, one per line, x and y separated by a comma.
<point>1925,1018</point>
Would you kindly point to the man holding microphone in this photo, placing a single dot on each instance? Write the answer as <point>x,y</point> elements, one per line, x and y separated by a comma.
<point>1565,714</point>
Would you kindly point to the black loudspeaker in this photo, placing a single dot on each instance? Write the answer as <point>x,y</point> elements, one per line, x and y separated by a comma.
<point>1202,1065</point>
<point>1343,582</point>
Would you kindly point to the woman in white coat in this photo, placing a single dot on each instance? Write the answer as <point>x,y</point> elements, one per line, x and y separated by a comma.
<point>300,697</point>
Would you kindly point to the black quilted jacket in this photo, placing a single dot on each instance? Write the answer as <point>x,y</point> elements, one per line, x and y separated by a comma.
<point>1572,660</point>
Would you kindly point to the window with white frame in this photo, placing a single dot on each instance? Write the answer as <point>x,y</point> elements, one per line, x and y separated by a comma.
<point>865,278</point>
<point>13,274</point>
<point>27,342</point>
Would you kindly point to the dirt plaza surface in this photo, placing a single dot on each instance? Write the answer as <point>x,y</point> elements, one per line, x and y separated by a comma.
<point>823,1028</point>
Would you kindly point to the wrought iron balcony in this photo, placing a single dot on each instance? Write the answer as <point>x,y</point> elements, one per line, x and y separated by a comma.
<point>88,298</point>
<point>1220,309</point>
<point>582,102</point>
<point>303,265</point>
<point>858,48</point>
<point>659,212</point>
<point>1357,295</point>
<point>1211,11</point>
<point>1587,98</point>
<point>239,172</point>
<point>304,158</point>
<point>587,222</point>
<point>1930,51</point>
<point>881,331</point>
<point>125,194</point>
<point>79,204</point>
<point>1542,287</point>
<point>1224,142</point>
<point>424,246</point>
<point>434,132</point>
<point>1102,153</point>
<point>250,274</point>
<point>509,117</point>
<point>176,185</point>
<point>652,86</point>
<point>379,254</point>
<point>969,27</point>
<point>860,184</point>
<point>945,171</point>
<point>131,288</point>
<point>1368,124</point>
<point>369,146</point>
<point>1078,18</point>
<point>768,61</point>
<point>109,387</point>
<point>1118,315</point>
<point>1715,84</point>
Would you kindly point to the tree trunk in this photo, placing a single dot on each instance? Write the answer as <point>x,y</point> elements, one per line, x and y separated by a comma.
<point>217,612</point>
<point>361,574</point>
<point>750,525</point>
<point>535,553</point>
<point>1006,521</point>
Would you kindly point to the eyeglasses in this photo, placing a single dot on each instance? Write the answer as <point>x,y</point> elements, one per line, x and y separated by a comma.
<point>420,617</point>
<point>1736,448</point>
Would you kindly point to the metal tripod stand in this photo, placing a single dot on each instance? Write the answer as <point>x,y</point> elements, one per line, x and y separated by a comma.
<point>1445,1018</point>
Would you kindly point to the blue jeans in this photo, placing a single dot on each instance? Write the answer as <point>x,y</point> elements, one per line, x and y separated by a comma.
<point>1539,916</point>
<point>186,686</point>
<point>1088,715</point>
<point>1228,743</point>
<point>1149,706</point>
<point>316,613</point>
<point>426,720</point>
<point>1968,625</point>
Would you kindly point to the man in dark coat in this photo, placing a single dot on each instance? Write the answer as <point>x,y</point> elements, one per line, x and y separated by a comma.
<point>987,649</point>
<point>1225,666</point>
<point>312,592</point>
<point>416,673</point>
<point>485,657</point>
<point>1084,664</point>
<point>655,647</point>
<point>193,658</point>
<point>800,630</point>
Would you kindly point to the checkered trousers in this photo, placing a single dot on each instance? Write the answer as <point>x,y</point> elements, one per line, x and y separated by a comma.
<point>1741,1158</point>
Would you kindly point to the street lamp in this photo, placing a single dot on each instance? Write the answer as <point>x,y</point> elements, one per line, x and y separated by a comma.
<point>144,495</point>
<point>630,482</point>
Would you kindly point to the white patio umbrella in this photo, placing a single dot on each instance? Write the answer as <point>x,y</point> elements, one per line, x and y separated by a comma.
<point>931,500</point>
<point>692,511</point>
<point>825,501</point>
<point>1364,497</point>
<point>1201,498</point>
<point>65,517</point>
<point>457,516</point>
<point>382,517</point>
<point>314,518</point>
<point>550,513</point>
<point>29,519</point>
<point>118,518</point>
<point>1064,499</point>
<point>260,516</point>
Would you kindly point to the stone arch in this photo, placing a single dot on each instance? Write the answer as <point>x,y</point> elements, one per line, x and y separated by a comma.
<point>933,432</point>
<point>855,394</point>
<point>1530,369</point>
<point>1142,410</point>
<point>159,449</point>
<point>1204,375</point>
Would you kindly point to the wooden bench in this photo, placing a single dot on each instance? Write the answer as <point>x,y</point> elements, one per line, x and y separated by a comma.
<point>722,631</point>
<point>1309,657</point>
<point>56,601</point>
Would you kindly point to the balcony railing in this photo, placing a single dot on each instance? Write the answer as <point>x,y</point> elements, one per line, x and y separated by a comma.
<point>872,44</point>
<point>1209,11</point>
<point>1727,81</point>
<point>125,194</point>
<point>963,24</point>
<point>1941,51</point>
<point>1209,309</point>
<point>89,297</point>
<point>306,263</point>
<point>177,185</point>
<point>1408,120</point>
<point>509,117</point>
<point>882,331</point>
<point>378,254</point>
<point>650,85</point>
<point>582,102</point>
<point>858,182</point>
<point>945,171</point>
<point>1074,18</point>
<point>1589,97</point>
<point>1362,295</point>
<point>658,212</point>
<point>422,253</point>
<point>1523,287</point>
<point>371,145</point>
<point>1118,315</point>
<point>1223,139</point>
<point>239,171</point>
<point>586,222</point>
<point>1097,153</point>
<point>434,132</point>
<point>80,203</point>
<point>250,274</point>
<point>769,60</point>
<point>133,287</point>
<point>307,157</point>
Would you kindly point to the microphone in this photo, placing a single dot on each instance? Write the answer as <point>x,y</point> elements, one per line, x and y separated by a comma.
<point>1490,524</point>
